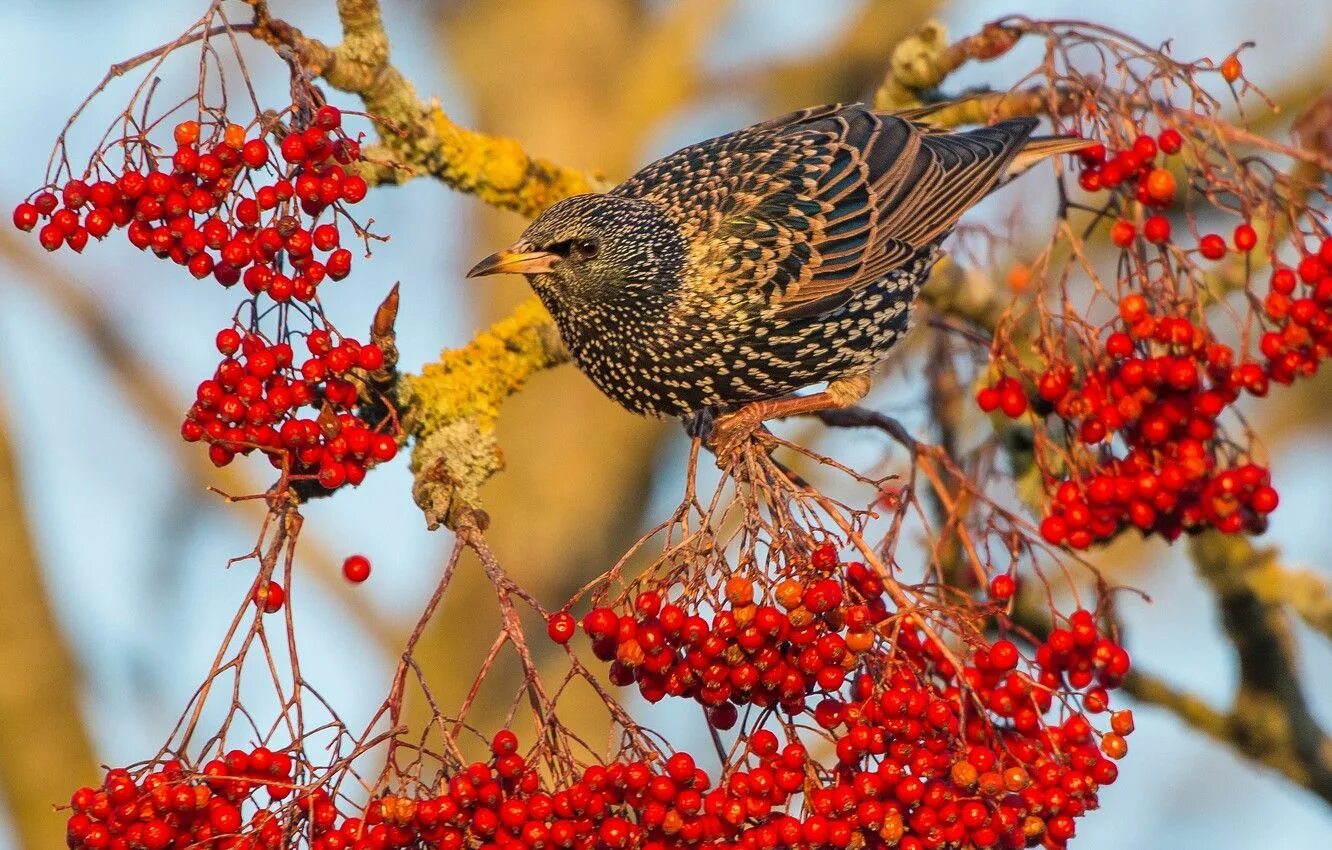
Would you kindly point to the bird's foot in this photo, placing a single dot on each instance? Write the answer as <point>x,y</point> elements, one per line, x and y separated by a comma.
<point>732,432</point>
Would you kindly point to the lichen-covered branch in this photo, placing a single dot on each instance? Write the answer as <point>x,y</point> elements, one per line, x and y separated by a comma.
<point>1271,720</point>
<point>921,62</point>
<point>454,404</point>
<point>417,137</point>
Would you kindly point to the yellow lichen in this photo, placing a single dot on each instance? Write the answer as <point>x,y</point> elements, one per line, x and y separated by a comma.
<point>497,170</point>
<point>455,401</point>
<point>473,380</point>
<point>914,67</point>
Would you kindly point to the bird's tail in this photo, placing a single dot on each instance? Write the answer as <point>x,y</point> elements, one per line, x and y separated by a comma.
<point>1039,148</point>
<point>1036,148</point>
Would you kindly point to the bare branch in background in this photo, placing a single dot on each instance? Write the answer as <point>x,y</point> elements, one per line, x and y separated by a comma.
<point>44,746</point>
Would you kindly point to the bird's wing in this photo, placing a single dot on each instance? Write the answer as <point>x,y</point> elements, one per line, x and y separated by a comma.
<point>819,202</point>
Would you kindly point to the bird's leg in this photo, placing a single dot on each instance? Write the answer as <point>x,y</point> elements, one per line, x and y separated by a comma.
<point>699,424</point>
<point>729,432</point>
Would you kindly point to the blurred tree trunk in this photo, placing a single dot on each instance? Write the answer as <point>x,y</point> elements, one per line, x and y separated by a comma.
<point>44,749</point>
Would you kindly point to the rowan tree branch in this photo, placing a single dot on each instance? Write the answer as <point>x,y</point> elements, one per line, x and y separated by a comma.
<point>418,138</point>
<point>1271,721</point>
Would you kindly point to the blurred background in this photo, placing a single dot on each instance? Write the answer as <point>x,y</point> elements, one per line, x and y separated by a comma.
<point>113,587</point>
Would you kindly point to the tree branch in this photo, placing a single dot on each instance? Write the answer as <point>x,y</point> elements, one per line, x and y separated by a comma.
<point>418,138</point>
<point>454,404</point>
<point>1271,721</point>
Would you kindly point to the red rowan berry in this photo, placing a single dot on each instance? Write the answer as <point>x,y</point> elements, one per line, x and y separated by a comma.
<point>1123,233</point>
<point>1212,246</point>
<point>270,598</point>
<point>1157,229</point>
<point>1245,237</point>
<point>356,568</point>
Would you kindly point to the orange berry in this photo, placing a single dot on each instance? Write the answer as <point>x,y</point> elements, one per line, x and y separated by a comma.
<point>234,136</point>
<point>187,132</point>
<point>739,591</point>
<point>1122,233</point>
<point>1122,721</point>
<point>964,774</point>
<point>1161,186</point>
<point>991,784</point>
<point>1114,745</point>
<point>1019,276</point>
<point>1231,68</point>
<point>1133,308</point>
<point>789,593</point>
<point>859,641</point>
<point>1016,778</point>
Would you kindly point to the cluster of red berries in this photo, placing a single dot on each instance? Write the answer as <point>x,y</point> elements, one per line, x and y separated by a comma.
<point>1157,388</point>
<point>933,750</point>
<point>930,756</point>
<point>1150,396</point>
<point>172,807</point>
<point>242,211</point>
<point>1299,304</point>
<point>255,396</point>
<point>802,641</point>
<point>627,804</point>
<point>989,794</point>
<point>206,209</point>
<point>1154,187</point>
<point>1133,167</point>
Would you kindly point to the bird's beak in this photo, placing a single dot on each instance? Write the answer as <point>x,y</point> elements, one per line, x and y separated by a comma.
<point>510,261</point>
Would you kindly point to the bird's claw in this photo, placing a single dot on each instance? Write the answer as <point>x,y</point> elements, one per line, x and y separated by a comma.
<point>731,433</point>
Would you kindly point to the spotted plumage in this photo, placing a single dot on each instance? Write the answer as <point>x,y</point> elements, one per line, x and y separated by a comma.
<point>749,266</point>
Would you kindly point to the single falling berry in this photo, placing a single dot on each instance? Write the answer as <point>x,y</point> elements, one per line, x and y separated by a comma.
<point>356,568</point>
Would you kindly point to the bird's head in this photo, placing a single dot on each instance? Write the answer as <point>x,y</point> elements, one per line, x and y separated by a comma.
<point>594,248</point>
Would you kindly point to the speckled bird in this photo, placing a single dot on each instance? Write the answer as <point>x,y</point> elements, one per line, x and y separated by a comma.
<point>747,267</point>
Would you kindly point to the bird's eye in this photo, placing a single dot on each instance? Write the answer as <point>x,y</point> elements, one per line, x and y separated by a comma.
<point>588,248</point>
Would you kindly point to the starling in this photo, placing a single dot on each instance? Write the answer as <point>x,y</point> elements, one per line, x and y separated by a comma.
<point>741,269</point>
